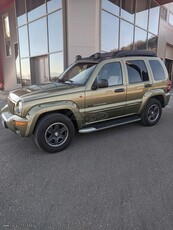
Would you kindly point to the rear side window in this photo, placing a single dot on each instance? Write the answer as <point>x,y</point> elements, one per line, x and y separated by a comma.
<point>157,69</point>
<point>137,71</point>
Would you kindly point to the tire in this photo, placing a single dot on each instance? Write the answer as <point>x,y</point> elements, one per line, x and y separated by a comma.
<point>54,133</point>
<point>151,113</point>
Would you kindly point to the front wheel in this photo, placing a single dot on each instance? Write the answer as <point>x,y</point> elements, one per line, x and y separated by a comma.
<point>54,133</point>
<point>151,113</point>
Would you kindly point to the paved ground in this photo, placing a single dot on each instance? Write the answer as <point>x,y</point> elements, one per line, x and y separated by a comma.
<point>118,179</point>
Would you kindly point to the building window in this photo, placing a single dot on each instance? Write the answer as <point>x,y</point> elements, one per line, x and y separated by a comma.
<point>7,38</point>
<point>154,16</point>
<point>21,12</point>
<point>55,31</point>
<point>53,5</point>
<point>163,13</point>
<point>18,72</point>
<point>40,35</point>
<point>110,32</point>
<point>23,41</point>
<point>112,6</point>
<point>171,18</point>
<point>129,25</point>
<point>152,42</point>
<point>126,35</point>
<point>128,10</point>
<point>35,9</point>
<point>25,71</point>
<point>140,42</point>
<point>142,7</point>
<point>56,70</point>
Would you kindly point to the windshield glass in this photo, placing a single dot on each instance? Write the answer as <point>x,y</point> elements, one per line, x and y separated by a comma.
<point>78,74</point>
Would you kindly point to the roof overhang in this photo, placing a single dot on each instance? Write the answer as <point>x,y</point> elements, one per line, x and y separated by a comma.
<point>162,2</point>
<point>4,4</point>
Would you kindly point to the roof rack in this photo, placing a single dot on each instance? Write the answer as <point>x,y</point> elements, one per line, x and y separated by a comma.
<point>127,53</point>
<point>97,57</point>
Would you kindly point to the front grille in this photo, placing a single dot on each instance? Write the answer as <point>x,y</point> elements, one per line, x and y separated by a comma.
<point>11,106</point>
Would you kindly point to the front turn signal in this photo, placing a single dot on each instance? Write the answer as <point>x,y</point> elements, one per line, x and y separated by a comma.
<point>20,123</point>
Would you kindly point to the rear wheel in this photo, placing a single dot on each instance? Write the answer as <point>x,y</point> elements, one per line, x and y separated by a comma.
<point>54,133</point>
<point>151,113</point>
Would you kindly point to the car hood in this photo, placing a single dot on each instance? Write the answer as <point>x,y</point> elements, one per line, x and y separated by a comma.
<point>41,91</point>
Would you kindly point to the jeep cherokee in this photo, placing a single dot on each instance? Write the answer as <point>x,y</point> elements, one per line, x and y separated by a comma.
<point>94,93</point>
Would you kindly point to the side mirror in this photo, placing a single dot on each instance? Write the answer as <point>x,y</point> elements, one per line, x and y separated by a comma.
<point>102,83</point>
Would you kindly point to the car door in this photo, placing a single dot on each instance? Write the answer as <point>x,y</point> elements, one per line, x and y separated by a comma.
<point>108,102</point>
<point>138,84</point>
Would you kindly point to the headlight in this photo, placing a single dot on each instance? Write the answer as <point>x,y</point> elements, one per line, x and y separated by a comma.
<point>18,108</point>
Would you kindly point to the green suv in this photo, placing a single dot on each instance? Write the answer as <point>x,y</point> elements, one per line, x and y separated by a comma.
<point>94,93</point>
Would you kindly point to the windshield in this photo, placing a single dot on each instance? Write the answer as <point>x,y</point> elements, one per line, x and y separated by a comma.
<point>78,74</point>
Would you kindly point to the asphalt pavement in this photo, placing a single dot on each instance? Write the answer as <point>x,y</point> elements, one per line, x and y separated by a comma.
<point>116,179</point>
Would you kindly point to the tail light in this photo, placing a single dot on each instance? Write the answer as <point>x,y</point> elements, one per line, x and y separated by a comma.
<point>169,86</point>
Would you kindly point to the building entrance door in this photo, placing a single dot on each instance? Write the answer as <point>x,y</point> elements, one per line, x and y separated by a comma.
<point>39,70</point>
<point>169,66</point>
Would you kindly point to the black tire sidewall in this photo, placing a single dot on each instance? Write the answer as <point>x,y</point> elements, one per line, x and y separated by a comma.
<point>42,126</point>
<point>144,116</point>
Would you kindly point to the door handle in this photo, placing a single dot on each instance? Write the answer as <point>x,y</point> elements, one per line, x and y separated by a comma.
<point>119,90</point>
<point>148,85</point>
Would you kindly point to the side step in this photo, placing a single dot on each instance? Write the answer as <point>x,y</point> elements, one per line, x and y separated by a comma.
<point>108,124</point>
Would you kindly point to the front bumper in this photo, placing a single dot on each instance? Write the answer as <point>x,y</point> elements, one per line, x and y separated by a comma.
<point>16,123</point>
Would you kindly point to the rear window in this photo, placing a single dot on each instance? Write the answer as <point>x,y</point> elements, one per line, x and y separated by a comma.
<point>157,69</point>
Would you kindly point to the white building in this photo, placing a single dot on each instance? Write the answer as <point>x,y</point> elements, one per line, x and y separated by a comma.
<point>39,39</point>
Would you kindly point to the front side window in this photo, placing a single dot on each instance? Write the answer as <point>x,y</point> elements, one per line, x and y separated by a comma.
<point>137,71</point>
<point>112,73</point>
<point>157,70</point>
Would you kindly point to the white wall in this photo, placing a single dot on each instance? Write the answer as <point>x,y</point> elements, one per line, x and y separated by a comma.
<point>162,39</point>
<point>165,42</point>
<point>9,66</point>
<point>83,17</point>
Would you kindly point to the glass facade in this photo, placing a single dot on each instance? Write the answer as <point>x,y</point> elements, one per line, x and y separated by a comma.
<point>40,33</point>
<point>137,24</point>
